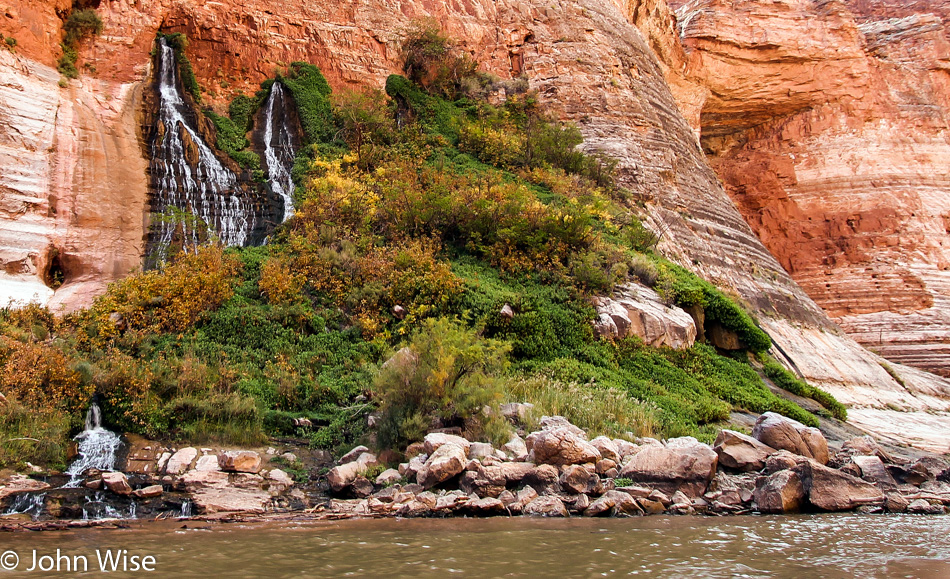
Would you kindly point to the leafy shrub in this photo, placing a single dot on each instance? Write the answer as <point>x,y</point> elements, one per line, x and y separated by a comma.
<point>446,376</point>
<point>431,60</point>
<point>311,94</point>
<point>367,124</point>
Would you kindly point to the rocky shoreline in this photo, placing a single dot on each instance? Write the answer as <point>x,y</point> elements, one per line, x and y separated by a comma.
<point>782,467</point>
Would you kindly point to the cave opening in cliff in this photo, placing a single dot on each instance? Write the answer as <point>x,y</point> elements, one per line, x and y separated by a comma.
<point>55,275</point>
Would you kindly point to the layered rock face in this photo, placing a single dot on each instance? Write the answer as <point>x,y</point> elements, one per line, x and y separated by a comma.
<point>615,68</point>
<point>827,122</point>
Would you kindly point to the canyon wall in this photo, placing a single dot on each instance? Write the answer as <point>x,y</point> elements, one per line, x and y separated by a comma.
<point>616,68</point>
<point>828,124</point>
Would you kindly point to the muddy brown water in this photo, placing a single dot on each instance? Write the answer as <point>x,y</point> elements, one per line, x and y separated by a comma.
<point>745,546</point>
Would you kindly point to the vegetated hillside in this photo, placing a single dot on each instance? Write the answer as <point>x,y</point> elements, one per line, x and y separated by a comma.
<point>421,212</point>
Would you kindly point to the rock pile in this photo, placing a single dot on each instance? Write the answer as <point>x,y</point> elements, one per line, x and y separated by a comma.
<point>557,472</point>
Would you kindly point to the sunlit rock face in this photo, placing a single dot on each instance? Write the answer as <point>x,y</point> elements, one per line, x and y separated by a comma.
<point>827,123</point>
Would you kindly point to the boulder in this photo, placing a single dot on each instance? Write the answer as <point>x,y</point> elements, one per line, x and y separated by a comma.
<point>515,472</point>
<point>340,477</point>
<point>783,433</point>
<point>895,503</point>
<point>604,466</point>
<point>149,492</point>
<point>608,449</point>
<point>279,480</point>
<point>873,470</point>
<point>522,498</point>
<point>613,502</point>
<point>781,492</point>
<point>517,448</point>
<point>487,505</point>
<point>552,422</point>
<point>865,445</point>
<point>639,311</point>
<point>578,480</point>
<point>434,440</point>
<point>546,506</point>
<point>480,450</point>
<point>833,490</point>
<point>625,448</point>
<point>576,503</point>
<point>207,463</point>
<point>740,452</point>
<point>683,464</point>
<point>544,478</point>
<point>181,460</point>
<point>240,461</point>
<point>446,461</point>
<point>353,454</point>
<point>117,482</point>
<point>388,477</point>
<point>486,481</point>
<point>362,487</point>
<point>415,466</point>
<point>783,460</point>
<point>922,507</point>
<point>561,445</point>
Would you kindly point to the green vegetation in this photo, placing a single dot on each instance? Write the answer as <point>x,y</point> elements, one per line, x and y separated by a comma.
<point>785,379</point>
<point>9,42</point>
<point>80,25</point>
<point>417,220</point>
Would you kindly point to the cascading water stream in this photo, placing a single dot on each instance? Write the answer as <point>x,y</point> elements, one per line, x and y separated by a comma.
<point>28,503</point>
<point>187,174</point>
<point>97,448</point>
<point>279,151</point>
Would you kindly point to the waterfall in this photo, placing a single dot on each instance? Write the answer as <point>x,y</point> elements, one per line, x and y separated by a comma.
<point>97,509</point>
<point>279,149</point>
<point>28,503</point>
<point>186,172</point>
<point>97,448</point>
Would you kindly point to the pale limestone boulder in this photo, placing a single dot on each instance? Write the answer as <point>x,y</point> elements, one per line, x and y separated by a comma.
<point>552,422</point>
<point>240,461</point>
<point>781,492</point>
<point>343,475</point>
<point>607,447</point>
<point>740,452</point>
<point>683,464</point>
<point>149,492</point>
<point>480,450</point>
<point>445,462</point>
<point>208,462</point>
<point>561,445</point>
<point>117,482</point>
<point>546,506</point>
<point>434,440</point>
<point>783,433</point>
<point>388,477</point>
<point>516,411</point>
<point>353,454</point>
<point>181,460</point>
<point>279,480</point>
<point>625,448</point>
<point>517,448</point>
<point>637,310</point>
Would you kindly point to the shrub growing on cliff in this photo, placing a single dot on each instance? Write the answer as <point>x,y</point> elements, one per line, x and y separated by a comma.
<point>81,24</point>
<point>431,60</point>
<point>444,377</point>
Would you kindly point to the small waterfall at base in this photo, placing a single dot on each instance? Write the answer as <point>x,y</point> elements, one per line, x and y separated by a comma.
<point>186,173</point>
<point>97,448</point>
<point>279,151</point>
<point>97,509</point>
<point>28,503</point>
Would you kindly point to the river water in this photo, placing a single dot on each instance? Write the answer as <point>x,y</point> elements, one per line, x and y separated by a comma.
<point>661,546</point>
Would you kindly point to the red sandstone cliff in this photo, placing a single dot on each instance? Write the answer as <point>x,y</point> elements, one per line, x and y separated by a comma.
<point>756,80</point>
<point>828,124</point>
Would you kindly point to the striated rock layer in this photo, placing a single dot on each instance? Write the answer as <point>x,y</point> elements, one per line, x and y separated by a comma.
<point>616,68</point>
<point>828,124</point>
